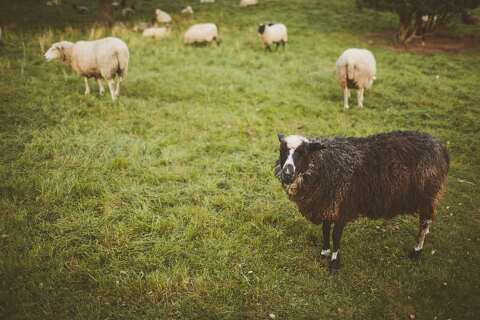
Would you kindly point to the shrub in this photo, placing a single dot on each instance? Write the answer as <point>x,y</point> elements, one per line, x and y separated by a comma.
<point>418,17</point>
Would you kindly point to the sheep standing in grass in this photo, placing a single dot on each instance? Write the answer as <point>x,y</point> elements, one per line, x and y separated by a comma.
<point>52,3</point>
<point>80,9</point>
<point>356,69</point>
<point>201,33</point>
<point>187,10</point>
<point>273,33</point>
<point>248,3</point>
<point>162,16</point>
<point>100,59</point>
<point>156,32</point>
<point>335,181</point>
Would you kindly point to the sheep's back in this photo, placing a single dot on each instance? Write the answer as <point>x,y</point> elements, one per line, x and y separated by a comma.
<point>83,58</point>
<point>379,176</point>
<point>363,63</point>
<point>112,56</point>
<point>400,172</point>
<point>275,33</point>
<point>205,32</point>
<point>100,58</point>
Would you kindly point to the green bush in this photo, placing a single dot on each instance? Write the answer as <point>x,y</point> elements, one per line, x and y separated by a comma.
<point>418,17</point>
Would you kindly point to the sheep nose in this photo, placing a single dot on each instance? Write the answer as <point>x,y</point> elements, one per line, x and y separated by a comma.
<point>287,173</point>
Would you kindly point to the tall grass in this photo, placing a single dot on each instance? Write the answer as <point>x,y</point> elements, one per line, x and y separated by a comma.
<point>164,204</point>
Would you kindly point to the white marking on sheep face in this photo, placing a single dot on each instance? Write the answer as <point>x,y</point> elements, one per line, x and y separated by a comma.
<point>288,156</point>
<point>295,153</point>
<point>293,142</point>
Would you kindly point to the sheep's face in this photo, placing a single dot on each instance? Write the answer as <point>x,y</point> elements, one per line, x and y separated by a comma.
<point>295,154</point>
<point>261,28</point>
<point>55,52</point>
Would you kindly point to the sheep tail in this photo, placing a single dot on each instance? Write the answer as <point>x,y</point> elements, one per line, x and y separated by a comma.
<point>350,70</point>
<point>122,63</point>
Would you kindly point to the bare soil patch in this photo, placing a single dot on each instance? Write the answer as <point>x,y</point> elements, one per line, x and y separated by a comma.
<point>428,45</point>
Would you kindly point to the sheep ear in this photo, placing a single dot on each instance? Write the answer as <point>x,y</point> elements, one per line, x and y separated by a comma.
<point>315,145</point>
<point>281,137</point>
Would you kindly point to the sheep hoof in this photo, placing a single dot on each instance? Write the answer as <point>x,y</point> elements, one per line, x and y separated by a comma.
<point>335,265</point>
<point>414,254</point>
<point>325,253</point>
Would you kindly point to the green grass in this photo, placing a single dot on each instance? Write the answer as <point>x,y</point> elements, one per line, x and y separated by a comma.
<point>164,205</point>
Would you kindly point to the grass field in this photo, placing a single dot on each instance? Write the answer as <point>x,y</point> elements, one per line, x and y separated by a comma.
<point>164,204</point>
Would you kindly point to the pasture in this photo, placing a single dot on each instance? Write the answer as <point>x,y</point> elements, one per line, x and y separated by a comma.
<point>164,205</point>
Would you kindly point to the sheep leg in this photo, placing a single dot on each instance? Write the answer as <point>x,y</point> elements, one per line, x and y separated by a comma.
<point>346,95</point>
<point>423,231</point>
<point>277,44</point>
<point>117,89</point>
<point>283,44</point>
<point>326,239</point>
<point>111,85</point>
<point>268,48</point>
<point>101,89</point>
<point>360,97</point>
<point>337,235</point>
<point>87,87</point>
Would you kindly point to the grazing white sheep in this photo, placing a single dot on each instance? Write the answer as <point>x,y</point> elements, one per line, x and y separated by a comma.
<point>187,10</point>
<point>207,1</point>
<point>356,69</point>
<point>162,16</point>
<point>156,32</point>
<point>273,33</point>
<point>52,3</point>
<point>128,11</point>
<point>247,3</point>
<point>201,33</point>
<point>106,58</point>
<point>80,9</point>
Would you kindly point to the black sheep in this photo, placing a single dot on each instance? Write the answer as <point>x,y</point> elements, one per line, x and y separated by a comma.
<point>334,181</point>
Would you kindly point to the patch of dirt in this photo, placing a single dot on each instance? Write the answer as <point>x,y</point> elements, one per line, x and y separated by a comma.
<point>428,45</point>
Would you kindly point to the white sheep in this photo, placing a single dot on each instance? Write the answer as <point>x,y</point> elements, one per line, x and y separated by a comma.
<point>187,10</point>
<point>106,58</point>
<point>201,33</point>
<point>273,33</point>
<point>207,1</point>
<point>52,3</point>
<point>162,16</point>
<point>247,3</point>
<point>356,69</point>
<point>156,32</point>
<point>80,9</point>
